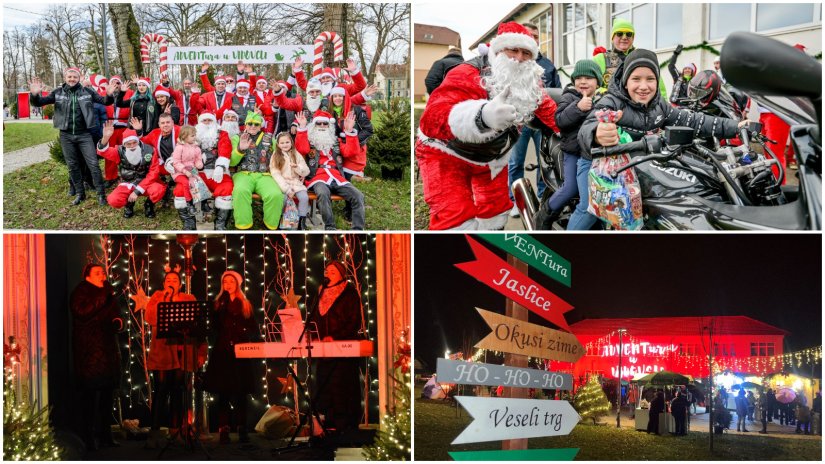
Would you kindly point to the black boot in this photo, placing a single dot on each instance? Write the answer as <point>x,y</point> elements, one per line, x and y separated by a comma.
<point>101,199</point>
<point>129,210</point>
<point>302,223</point>
<point>72,191</point>
<point>187,219</point>
<point>149,208</point>
<point>544,218</point>
<point>221,217</point>
<point>192,210</point>
<point>79,199</point>
<point>205,209</point>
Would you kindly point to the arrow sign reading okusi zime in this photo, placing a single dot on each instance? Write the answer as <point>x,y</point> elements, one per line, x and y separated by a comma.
<point>518,337</point>
<point>514,285</point>
<point>470,373</point>
<point>511,418</point>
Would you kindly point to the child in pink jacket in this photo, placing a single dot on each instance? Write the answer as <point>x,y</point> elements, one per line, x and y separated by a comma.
<point>186,160</point>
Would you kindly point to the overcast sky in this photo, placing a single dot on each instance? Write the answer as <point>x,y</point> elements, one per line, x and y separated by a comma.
<point>22,14</point>
<point>470,20</point>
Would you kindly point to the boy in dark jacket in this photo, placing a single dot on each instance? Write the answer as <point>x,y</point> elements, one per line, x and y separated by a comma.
<point>576,102</point>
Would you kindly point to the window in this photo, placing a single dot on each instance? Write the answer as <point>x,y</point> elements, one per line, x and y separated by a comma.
<point>545,23</point>
<point>579,31</point>
<point>664,32</point>
<point>688,349</point>
<point>726,18</point>
<point>775,15</point>
<point>724,349</point>
<point>763,349</point>
<point>428,36</point>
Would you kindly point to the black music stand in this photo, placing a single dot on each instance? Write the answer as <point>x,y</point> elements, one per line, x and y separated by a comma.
<point>185,322</point>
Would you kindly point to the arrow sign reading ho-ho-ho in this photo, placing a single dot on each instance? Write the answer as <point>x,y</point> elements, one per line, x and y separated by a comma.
<point>519,337</point>
<point>534,253</point>
<point>556,454</point>
<point>514,285</point>
<point>513,418</point>
<point>470,373</point>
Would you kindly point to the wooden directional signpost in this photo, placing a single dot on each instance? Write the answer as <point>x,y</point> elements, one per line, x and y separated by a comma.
<point>514,418</point>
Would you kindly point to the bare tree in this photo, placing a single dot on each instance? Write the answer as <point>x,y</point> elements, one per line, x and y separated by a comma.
<point>127,37</point>
<point>387,26</point>
<point>64,24</point>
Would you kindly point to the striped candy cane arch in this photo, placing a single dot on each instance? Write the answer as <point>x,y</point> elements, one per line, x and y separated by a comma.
<point>338,50</point>
<point>146,43</point>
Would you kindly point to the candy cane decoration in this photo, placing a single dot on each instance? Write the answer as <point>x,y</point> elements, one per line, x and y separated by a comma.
<point>146,42</point>
<point>338,50</point>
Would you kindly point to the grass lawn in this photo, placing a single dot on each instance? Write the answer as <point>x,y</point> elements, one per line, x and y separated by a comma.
<point>437,424</point>
<point>22,135</point>
<point>36,197</point>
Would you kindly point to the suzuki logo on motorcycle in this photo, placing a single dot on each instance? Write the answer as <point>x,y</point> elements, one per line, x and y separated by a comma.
<point>675,172</point>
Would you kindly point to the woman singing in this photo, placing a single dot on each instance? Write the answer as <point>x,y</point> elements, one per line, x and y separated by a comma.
<point>232,379</point>
<point>337,313</point>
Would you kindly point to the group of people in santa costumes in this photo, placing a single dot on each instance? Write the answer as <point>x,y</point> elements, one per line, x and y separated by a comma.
<point>469,125</point>
<point>235,120</point>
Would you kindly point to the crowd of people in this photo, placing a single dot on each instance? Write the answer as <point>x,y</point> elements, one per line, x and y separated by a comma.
<point>184,146</point>
<point>482,113</point>
<point>98,320</point>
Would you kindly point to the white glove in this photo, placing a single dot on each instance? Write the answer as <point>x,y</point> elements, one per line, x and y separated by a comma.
<point>217,174</point>
<point>498,114</point>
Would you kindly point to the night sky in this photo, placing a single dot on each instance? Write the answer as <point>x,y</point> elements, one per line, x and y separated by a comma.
<point>776,279</point>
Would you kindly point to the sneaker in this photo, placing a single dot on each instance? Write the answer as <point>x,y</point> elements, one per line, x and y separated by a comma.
<point>514,213</point>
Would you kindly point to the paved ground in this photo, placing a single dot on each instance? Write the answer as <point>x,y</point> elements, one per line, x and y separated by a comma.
<point>18,159</point>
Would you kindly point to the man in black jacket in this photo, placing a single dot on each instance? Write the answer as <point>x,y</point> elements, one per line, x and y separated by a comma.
<point>74,115</point>
<point>440,68</point>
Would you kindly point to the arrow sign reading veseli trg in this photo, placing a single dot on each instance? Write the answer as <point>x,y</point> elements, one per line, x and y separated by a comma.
<point>512,418</point>
<point>518,337</point>
<point>514,285</point>
<point>469,373</point>
<point>534,253</point>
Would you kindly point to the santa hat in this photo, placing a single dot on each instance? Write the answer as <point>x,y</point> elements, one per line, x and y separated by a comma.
<point>513,35</point>
<point>259,79</point>
<point>235,275</point>
<point>599,50</point>
<point>322,116</point>
<point>337,90</point>
<point>220,79</point>
<point>145,81</point>
<point>691,66</point>
<point>483,49</point>
<point>800,47</point>
<point>129,135</point>
<point>207,115</point>
<point>313,84</point>
<point>230,112</point>
<point>326,72</point>
<point>72,69</point>
<point>97,80</point>
<point>241,84</point>
<point>115,78</point>
<point>161,90</point>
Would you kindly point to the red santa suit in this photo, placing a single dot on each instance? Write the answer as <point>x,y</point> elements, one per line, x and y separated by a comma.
<point>153,139</point>
<point>327,165</point>
<point>149,186</point>
<point>121,118</point>
<point>463,166</point>
<point>224,187</point>
<point>190,107</point>
<point>208,102</point>
<point>358,84</point>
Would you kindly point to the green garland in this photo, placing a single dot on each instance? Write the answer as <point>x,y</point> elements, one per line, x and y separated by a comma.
<point>703,46</point>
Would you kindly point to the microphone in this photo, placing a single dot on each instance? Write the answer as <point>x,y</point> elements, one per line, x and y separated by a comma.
<point>169,293</point>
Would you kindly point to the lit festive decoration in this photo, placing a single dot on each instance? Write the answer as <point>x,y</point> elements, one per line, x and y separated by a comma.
<point>590,401</point>
<point>393,440</point>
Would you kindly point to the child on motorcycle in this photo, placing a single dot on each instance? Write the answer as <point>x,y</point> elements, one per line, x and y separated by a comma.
<point>575,104</point>
<point>634,95</point>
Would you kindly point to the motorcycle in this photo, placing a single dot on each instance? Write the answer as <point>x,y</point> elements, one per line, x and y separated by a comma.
<point>687,185</point>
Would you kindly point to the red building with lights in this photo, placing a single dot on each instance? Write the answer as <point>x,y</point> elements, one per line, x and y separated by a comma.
<point>679,344</point>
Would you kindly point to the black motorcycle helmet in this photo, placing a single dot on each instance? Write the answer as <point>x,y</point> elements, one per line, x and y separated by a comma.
<point>704,87</point>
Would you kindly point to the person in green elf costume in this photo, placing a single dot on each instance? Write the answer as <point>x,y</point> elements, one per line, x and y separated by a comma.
<point>622,35</point>
<point>251,151</point>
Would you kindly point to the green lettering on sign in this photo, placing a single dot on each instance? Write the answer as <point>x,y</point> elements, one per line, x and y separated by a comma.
<point>560,454</point>
<point>532,252</point>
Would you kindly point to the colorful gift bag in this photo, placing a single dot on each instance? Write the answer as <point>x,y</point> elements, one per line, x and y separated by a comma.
<point>616,201</point>
<point>290,217</point>
<point>198,188</point>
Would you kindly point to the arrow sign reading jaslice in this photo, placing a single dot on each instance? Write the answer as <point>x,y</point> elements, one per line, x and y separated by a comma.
<point>518,337</point>
<point>469,373</point>
<point>514,285</point>
<point>534,253</point>
<point>512,418</point>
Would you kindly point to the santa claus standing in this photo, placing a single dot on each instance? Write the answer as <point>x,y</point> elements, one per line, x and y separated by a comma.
<point>471,122</point>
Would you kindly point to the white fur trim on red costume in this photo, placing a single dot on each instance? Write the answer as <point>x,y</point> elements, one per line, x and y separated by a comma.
<point>144,82</point>
<point>205,116</point>
<point>496,222</point>
<point>514,40</point>
<point>322,119</point>
<point>495,166</point>
<point>223,162</point>
<point>354,173</point>
<point>128,139</point>
<point>338,91</point>
<point>162,92</point>
<point>462,121</point>
<point>223,202</point>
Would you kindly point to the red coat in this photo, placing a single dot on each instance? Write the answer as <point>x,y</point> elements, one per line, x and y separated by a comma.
<point>194,106</point>
<point>209,103</point>
<point>224,150</point>
<point>452,108</point>
<point>111,154</point>
<point>358,83</point>
<point>350,148</point>
<point>120,115</point>
<point>153,139</point>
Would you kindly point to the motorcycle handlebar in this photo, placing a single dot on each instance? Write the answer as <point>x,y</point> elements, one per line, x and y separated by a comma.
<point>639,145</point>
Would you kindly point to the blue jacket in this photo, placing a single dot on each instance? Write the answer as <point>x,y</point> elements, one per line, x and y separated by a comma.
<point>100,114</point>
<point>550,78</point>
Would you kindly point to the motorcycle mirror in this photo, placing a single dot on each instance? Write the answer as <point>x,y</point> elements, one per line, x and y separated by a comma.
<point>760,64</point>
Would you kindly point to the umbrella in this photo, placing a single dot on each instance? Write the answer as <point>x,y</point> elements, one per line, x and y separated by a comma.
<point>665,378</point>
<point>747,386</point>
<point>785,395</point>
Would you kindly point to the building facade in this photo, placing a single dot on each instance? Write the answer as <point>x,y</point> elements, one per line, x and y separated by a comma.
<point>570,31</point>
<point>393,81</point>
<point>431,44</point>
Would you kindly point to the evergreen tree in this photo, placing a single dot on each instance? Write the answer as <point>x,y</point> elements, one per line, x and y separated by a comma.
<point>393,441</point>
<point>27,434</point>
<point>590,401</point>
<point>390,146</point>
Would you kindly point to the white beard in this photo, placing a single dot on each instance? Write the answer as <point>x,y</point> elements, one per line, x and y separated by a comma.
<point>133,154</point>
<point>314,103</point>
<point>326,88</point>
<point>523,80</point>
<point>230,88</point>
<point>230,127</point>
<point>207,135</point>
<point>322,139</point>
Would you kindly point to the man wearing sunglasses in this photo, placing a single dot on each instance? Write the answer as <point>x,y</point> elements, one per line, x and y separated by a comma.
<point>622,35</point>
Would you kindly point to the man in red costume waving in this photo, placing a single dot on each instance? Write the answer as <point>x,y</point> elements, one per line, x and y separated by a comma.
<point>471,122</point>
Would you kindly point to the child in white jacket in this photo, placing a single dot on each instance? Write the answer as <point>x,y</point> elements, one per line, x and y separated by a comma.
<point>289,168</point>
